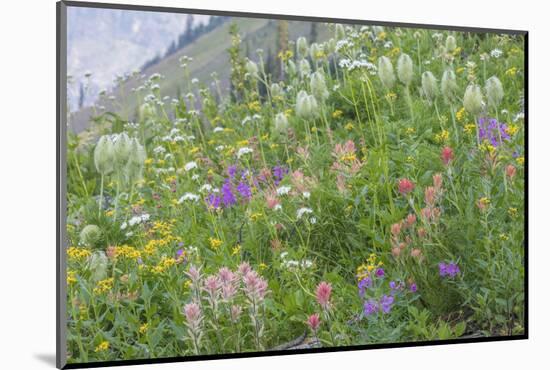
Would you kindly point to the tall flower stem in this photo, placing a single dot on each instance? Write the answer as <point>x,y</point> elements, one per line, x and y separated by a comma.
<point>101,195</point>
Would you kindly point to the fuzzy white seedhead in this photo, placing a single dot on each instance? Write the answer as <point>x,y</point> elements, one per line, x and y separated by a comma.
<point>251,68</point>
<point>494,90</point>
<point>450,44</point>
<point>405,69</point>
<point>315,51</point>
<point>385,72</point>
<point>97,265</point>
<point>90,235</point>
<point>134,167</point>
<point>473,99</point>
<point>281,123</point>
<point>429,85</point>
<point>306,105</point>
<point>276,90</point>
<point>302,47</point>
<point>305,68</point>
<point>104,155</point>
<point>448,84</point>
<point>121,150</point>
<point>318,86</point>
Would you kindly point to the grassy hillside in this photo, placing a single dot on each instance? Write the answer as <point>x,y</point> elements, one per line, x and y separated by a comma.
<point>209,53</point>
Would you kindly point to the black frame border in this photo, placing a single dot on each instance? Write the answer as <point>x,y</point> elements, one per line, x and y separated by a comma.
<point>61,146</point>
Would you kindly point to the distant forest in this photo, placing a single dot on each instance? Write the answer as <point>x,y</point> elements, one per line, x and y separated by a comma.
<point>190,34</point>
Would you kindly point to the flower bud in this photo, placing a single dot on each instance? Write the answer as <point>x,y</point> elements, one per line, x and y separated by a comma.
<point>385,72</point>
<point>429,85</point>
<point>494,90</point>
<point>251,68</point>
<point>473,99</point>
<point>281,123</point>
<point>450,44</point>
<point>301,47</point>
<point>90,235</point>
<point>448,84</point>
<point>340,32</point>
<point>318,86</point>
<point>103,155</point>
<point>405,69</point>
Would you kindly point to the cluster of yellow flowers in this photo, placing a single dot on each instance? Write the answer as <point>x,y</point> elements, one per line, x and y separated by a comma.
<point>103,346</point>
<point>126,251</point>
<point>75,253</point>
<point>164,264</point>
<point>104,286</point>
<point>365,269</point>
<point>71,277</point>
<point>215,243</point>
<point>442,137</point>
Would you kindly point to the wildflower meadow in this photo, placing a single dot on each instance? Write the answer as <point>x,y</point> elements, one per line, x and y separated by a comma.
<point>367,189</point>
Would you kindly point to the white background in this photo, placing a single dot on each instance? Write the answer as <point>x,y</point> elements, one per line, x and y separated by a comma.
<point>27,182</point>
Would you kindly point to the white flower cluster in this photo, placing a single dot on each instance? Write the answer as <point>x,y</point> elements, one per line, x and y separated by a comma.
<point>283,190</point>
<point>136,220</point>
<point>293,264</point>
<point>189,197</point>
<point>244,150</point>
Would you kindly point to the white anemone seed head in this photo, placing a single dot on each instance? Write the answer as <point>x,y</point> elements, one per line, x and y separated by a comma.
<point>302,47</point>
<point>104,155</point>
<point>385,72</point>
<point>281,123</point>
<point>448,84</point>
<point>405,69</point>
<point>473,99</point>
<point>450,43</point>
<point>318,86</point>
<point>429,85</point>
<point>494,90</point>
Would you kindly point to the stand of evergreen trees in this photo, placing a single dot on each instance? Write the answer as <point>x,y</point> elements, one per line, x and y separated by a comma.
<point>189,35</point>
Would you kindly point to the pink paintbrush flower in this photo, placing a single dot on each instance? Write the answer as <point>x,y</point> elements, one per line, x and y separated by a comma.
<point>405,186</point>
<point>322,294</point>
<point>447,155</point>
<point>313,322</point>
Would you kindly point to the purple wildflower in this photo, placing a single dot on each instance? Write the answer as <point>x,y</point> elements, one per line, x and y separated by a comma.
<point>413,288</point>
<point>370,307</point>
<point>278,173</point>
<point>231,171</point>
<point>380,272</point>
<point>228,198</point>
<point>363,285</point>
<point>442,269</point>
<point>489,129</point>
<point>450,270</point>
<point>179,253</point>
<point>386,303</point>
<point>244,190</point>
<point>213,201</point>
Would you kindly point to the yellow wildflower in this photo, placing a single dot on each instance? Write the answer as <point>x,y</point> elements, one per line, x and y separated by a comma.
<point>78,253</point>
<point>349,126</point>
<point>460,114</point>
<point>103,346</point>
<point>215,243</point>
<point>236,250</point>
<point>143,328</point>
<point>337,113</point>
<point>104,286</point>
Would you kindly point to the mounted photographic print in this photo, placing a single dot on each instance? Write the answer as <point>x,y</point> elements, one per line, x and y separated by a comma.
<point>234,184</point>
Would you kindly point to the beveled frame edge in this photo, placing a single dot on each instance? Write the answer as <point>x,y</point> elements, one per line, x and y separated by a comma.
<point>61,171</point>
